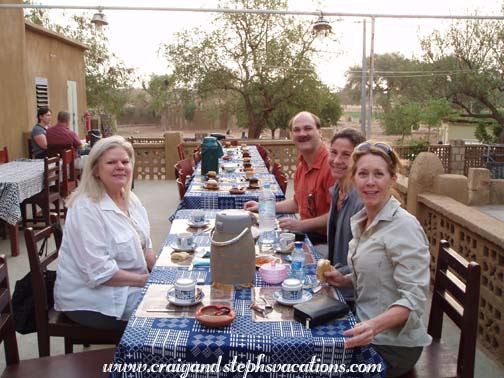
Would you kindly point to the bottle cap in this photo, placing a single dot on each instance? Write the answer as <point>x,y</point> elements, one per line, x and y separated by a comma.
<point>298,244</point>
<point>266,185</point>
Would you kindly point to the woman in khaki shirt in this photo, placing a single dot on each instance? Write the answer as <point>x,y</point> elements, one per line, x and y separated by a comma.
<point>389,262</point>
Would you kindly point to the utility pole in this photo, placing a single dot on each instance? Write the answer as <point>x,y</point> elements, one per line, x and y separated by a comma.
<point>371,74</point>
<point>363,79</point>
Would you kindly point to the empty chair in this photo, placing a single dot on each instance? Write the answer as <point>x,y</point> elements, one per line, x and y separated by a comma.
<point>50,322</point>
<point>68,178</point>
<point>456,294</point>
<point>4,155</point>
<point>262,151</point>
<point>86,364</point>
<point>184,167</point>
<point>50,194</point>
<point>197,157</point>
<point>31,155</point>
<point>180,150</point>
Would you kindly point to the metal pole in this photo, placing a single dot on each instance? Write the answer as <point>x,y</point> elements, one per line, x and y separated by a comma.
<point>371,78</point>
<point>363,79</point>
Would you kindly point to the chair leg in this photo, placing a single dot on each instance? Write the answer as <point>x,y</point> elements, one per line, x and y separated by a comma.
<point>68,346</point>
<point>23,215</point>
<point>43,343</point>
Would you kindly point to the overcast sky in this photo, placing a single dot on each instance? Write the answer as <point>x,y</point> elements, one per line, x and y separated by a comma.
<point>136,36</point>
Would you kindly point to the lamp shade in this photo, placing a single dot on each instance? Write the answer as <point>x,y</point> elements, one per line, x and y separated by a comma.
<point>99,19</point>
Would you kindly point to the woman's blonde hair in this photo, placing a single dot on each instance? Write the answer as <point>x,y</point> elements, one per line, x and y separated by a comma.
<point>380,149</point>
<point>90,185</point>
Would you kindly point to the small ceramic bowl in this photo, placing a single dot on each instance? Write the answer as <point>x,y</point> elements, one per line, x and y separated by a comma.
<point>229,168</point>
<point>273,272</point>
<point>215,316</point>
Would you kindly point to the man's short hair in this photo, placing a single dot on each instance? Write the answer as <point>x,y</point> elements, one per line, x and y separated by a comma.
<point>315,118</point>
<point>63,117</point>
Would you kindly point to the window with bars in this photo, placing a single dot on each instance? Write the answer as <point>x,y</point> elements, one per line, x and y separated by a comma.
<point>41,92</point>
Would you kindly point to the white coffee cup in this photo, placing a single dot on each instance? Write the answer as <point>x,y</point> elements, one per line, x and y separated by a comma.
<point>185,240</point>
<point>292,289</point>
<point>286,239</point>
<point>185,290</point>
<point>197,216</point>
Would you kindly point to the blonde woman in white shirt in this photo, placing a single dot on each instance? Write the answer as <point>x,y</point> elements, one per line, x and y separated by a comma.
<point>389,262</point>
<point>106,252</point>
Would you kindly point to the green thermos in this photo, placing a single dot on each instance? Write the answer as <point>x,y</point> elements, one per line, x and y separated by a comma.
<point>211,151</point>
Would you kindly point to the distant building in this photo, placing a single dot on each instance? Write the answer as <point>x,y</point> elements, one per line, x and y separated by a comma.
<point>38,68</point>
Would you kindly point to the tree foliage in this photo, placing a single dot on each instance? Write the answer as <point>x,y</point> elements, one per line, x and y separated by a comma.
<point>263,60</point>
<point>472,54</point>
<point>106,76</point>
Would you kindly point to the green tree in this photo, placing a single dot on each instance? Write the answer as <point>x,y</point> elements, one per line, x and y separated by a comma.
<point>472,54</point>
<point>402,118</point>
<point>106,76</point>
<point>261,59</point>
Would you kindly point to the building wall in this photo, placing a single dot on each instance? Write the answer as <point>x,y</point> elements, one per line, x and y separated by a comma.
<point>13,116</point>
<point>58,62</point>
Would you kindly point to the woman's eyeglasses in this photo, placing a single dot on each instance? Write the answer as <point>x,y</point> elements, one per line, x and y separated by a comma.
<point>311,205</point>
<point>366,146</point>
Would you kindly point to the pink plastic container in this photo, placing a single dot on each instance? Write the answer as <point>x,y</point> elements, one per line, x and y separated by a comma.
<point>273,272</point>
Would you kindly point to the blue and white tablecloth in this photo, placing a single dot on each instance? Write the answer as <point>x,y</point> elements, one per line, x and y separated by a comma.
<point>19,180</point>
<point>183,340</point>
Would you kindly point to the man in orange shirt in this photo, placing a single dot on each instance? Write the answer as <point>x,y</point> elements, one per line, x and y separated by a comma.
<point>312,180</point>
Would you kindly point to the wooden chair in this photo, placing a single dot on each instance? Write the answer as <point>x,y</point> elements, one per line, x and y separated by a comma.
<point>86,364</point>
<point>49,321</point>
<point>30,149</point>
<point>183,167</point>
<point>50,194</point>
<point>180,150</point>
<point>262,151</point>
<point>456,294</point>
<point>4,155</point>
<point>181,188</point>
<point>197,157</point>
<point>69,179</point>
<point>54,150</point>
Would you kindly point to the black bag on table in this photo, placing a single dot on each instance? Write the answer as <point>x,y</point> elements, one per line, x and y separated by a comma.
<point>319,310</point>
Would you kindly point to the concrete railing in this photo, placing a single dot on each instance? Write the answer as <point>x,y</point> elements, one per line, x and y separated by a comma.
<point>477,237</point>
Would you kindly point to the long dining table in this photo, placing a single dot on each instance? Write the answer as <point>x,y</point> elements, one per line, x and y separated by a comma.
<point>197,197</point>
<point>154,337</point>
<point>19,180</point>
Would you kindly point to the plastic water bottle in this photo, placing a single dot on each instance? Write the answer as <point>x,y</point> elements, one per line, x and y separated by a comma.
<point>298,261</point>
<point>267,215</point>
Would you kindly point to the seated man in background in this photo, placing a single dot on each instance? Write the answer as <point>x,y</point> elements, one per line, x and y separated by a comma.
<point>61,135</point>
<point>312,181</point>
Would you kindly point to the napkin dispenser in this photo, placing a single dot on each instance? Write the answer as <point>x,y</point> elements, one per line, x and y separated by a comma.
<point>232,250</point>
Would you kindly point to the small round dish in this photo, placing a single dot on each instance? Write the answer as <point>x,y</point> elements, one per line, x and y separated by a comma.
<point>198,224</point>
<point>281,251</point>
<point>214,316</point>
<point>205,186</point>
<point>227,157</point>
<point>277,295</point>
<point>177,302</point>
<point>237,191</point>
<point>253,187</point>
<point>173,245</point>
<point>261,260</point>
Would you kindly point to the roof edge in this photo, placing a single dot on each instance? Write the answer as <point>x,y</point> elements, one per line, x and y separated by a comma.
<point>44,31</point>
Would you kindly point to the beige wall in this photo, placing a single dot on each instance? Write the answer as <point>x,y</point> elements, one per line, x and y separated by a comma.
<point>58,62</point>
<point>27,52</point>
<point>13,117</point>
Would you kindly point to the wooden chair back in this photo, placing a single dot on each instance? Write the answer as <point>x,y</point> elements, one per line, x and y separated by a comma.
<point>180,150</point>
<point>38,266</point>
<point>181,188</point>
<point>4,155</point>
<point>197,157</point>
<point>183,168</point>
<point>69,180</point>
<point>7,327</point>
<point>30,149</point>
<point>262,151</point>
<point>456,294</point>
<point>54,150</point>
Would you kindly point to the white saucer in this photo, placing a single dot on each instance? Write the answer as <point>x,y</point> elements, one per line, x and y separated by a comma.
<point>170,295</point>
<point>205,223</point>
<point>277,295</point>
<point>283,251</point>
<point>173,245</point>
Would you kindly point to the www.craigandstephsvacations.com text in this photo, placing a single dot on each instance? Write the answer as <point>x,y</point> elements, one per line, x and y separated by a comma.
<point>314,366</point>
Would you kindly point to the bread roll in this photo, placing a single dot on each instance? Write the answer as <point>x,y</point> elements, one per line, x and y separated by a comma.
<point>179,256</point>
<point>323,266</point>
